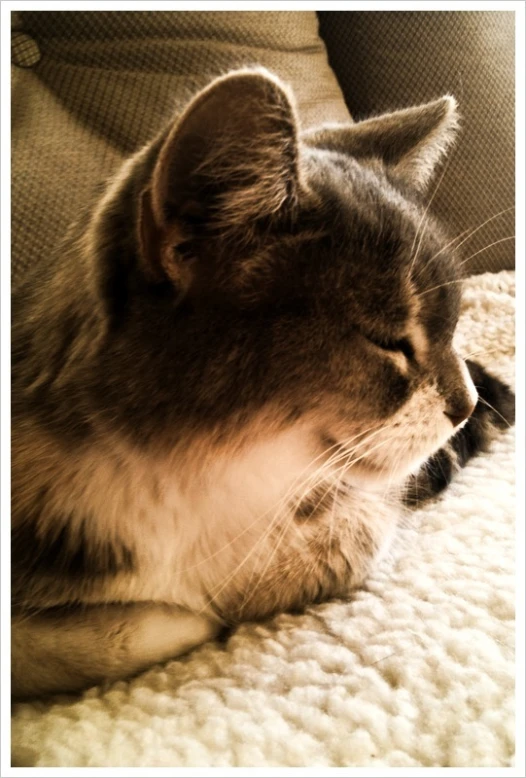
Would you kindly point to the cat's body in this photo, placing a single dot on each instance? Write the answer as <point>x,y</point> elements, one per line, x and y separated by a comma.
<point>223,382</point>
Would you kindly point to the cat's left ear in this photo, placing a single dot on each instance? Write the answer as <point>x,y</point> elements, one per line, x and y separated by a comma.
<point>411,142</point>
<point>228,165</point>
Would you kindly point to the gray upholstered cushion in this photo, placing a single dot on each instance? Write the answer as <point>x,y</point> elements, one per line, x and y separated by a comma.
<point>107,81</point>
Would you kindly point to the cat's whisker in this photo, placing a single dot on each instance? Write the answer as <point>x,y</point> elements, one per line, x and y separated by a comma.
<point>219,588</point>
<point>495,243</point>
<point>340,455</point>
<point>380,445</point>
<point>420,229</point>
<point>471,233</point>
<point>391,485</point>
<point>490,406</point>
<point>479,352</point>
<point>250,590</point>
<point>439,286</point>
<point>332,517</point>
<point>317,478</point>
<point>289,521</point>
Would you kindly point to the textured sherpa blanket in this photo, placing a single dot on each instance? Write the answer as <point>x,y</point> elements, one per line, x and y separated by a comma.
<point>416,670</point>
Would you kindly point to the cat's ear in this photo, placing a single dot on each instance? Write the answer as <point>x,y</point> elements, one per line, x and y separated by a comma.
<point>410,142</point>
<point>230,162</point>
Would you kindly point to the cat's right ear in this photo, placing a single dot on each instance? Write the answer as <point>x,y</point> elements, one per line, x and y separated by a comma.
<point>228,165</point>
<point>410,143</point>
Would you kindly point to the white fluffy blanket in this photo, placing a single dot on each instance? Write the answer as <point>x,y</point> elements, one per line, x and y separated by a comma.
<point>417,670</point>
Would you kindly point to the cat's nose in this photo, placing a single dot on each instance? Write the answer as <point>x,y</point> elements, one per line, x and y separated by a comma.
<point>460,411</point>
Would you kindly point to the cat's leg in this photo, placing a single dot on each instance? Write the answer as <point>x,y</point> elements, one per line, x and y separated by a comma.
<point>495,410</point>
<point>63,650</point>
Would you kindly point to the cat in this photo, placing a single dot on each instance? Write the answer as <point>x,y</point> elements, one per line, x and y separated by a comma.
<point>236,363</point>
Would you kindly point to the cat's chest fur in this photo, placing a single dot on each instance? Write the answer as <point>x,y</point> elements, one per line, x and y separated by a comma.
<point>181,525</point>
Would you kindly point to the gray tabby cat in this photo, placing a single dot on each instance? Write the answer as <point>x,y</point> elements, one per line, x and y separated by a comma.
<point>225,377</point>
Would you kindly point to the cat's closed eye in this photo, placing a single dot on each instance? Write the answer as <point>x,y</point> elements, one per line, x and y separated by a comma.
<point>402,345</point>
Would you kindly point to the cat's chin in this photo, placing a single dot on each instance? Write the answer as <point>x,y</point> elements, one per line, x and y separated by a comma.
<point>376,476</point>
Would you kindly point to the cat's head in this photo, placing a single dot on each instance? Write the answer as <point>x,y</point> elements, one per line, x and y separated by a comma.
<point>299,275</point>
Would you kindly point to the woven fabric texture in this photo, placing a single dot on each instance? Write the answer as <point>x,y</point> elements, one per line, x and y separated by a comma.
<point>105,82</point>
<point>386,60</point>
